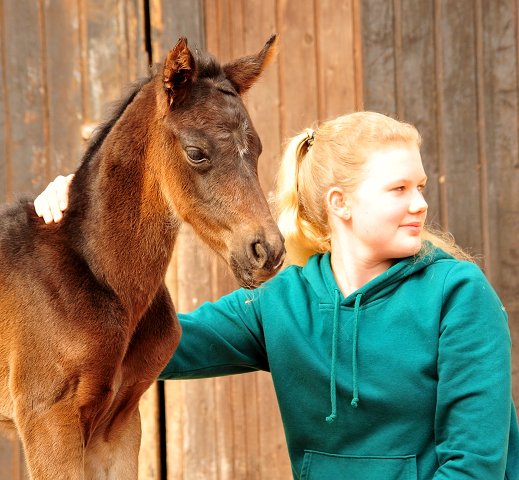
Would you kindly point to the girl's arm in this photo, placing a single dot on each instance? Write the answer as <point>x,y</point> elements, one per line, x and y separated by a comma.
<point>220,338</point>
<point>474,400</point>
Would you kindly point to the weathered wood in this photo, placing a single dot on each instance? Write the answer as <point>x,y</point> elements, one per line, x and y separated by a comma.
<point>378,56</point>
<point>64,85</point>
<point>297,66</point>
<point>5,190</point>
<point>171,20</point>
<point>193,288</point>
<point>263,101</point>
<point>399,43</point>
<point>335,58</point>
<point>149,454</point>
<point>501,112</point>
<point>460,123</point>
<point>224,28</point>
<point>274,464</point>
<point>12,460</point>
<point>418,90</point>
<point>106,56</point>
<point>24,92</point>
<point>174,429</point>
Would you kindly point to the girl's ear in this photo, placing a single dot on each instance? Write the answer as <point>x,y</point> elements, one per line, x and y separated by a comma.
<point>338,203</point>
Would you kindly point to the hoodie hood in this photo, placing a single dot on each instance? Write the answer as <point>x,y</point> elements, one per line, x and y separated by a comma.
<point>319,273</point>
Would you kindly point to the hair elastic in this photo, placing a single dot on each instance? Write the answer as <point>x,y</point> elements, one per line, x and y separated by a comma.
<point>310,136</point>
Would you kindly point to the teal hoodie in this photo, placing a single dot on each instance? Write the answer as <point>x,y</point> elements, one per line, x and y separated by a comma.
<point>407,378</point>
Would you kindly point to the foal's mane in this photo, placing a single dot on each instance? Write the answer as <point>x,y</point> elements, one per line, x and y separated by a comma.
<point>115,110</point>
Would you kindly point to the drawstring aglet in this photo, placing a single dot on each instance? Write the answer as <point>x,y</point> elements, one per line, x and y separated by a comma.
<point>331,418</point>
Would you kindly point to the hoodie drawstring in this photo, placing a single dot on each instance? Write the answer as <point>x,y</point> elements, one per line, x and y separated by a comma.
<point>355,399</point>
<point>333,382</point>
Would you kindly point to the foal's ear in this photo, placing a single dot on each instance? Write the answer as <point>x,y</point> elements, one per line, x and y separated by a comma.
<point>243,72</point>
<point>179,72</point>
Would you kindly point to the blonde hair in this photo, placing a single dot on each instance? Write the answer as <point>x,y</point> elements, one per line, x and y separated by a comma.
<point>334,154</point>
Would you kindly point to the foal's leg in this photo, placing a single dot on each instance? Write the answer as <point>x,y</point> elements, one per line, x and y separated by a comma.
<point>115,457</point>
<point>53,443</point>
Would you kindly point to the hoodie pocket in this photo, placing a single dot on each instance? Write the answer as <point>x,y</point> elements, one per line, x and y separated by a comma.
<point>325,466</point>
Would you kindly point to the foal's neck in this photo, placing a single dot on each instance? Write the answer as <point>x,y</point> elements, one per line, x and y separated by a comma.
<point>128,230</point>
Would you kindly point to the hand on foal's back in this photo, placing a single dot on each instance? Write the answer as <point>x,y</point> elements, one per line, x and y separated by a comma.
<point>54,199</point>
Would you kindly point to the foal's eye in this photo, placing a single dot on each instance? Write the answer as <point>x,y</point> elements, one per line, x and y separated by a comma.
<point>195,155</point>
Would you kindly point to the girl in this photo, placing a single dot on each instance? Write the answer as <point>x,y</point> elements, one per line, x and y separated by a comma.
<point>389,352</point>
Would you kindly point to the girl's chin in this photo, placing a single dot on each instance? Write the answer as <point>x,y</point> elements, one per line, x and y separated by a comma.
<point>411,248</point>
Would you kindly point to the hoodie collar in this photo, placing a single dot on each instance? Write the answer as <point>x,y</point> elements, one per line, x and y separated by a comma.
<point>318,272</point>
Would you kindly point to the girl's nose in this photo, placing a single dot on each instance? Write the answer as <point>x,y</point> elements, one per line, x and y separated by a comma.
<point>418,204</point>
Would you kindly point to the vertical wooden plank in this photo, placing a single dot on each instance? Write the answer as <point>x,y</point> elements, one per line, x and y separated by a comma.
<point>12,459</point>
<point>212,24</point>
<point>263,100</point>
<point>263,433</point>
<point>378,56</point>
<point>418,90</point>
<point>6,456</point>
<point>149,454</point>
<point>297,63</point>
<point>224,416</point>
<point>63,56</point>
<point>4,124</point>
<point>24,96</point>
<point>274,464</point>
<point>440,116</point>
<point>224,38</point>
<point>226,404</point>
<point>135,19</point>
<point>199,436</point>
<point>247,451</point>
<point>171,20</point>
<point>335,58</point>
<point>502,143</point>
<point>482,140</point>
<point>460,123</point>
<point>224,28</point>
<point>174,396</point>
<point>106,56</point>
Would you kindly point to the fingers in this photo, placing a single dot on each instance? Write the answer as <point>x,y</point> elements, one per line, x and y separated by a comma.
<point>62,186</point>
<point>47,204</point>
<point>54,199</point>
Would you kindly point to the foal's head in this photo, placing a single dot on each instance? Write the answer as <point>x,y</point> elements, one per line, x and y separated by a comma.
<point>209,155</point>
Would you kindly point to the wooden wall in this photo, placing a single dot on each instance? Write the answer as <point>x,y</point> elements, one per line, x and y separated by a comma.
<point>448,67</point>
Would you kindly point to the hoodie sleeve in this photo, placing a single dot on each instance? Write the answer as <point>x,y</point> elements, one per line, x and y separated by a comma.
<point>221,338</point>
<point>473,412</point>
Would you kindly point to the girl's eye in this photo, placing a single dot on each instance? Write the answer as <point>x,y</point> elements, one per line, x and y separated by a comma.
<point>421,188</point>
<point>195,155</point>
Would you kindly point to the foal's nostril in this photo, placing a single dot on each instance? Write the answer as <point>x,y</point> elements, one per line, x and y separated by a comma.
<point>259,255</point>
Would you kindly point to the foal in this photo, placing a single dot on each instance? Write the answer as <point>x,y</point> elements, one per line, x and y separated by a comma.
<point>86,321</point>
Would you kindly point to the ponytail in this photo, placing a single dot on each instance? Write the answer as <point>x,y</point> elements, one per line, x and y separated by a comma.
<point>305,234</point>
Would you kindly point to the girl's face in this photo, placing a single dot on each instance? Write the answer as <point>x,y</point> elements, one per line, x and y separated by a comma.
<point>388,209</point>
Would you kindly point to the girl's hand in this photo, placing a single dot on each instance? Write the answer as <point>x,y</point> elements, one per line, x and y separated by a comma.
<point>54,199</point>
